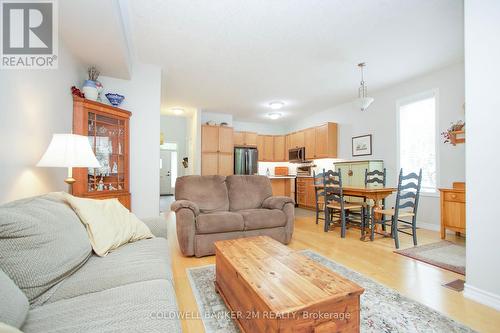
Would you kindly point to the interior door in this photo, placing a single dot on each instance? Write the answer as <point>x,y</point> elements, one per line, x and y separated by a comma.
<point>165,172</point>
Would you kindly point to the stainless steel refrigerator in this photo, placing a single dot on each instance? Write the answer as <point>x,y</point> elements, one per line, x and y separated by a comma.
<point>245,161</point>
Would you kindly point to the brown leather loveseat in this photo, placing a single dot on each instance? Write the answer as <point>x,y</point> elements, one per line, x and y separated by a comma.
<point>212,208</point>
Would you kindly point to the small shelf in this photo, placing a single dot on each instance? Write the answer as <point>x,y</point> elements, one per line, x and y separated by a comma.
<point>457,137</point>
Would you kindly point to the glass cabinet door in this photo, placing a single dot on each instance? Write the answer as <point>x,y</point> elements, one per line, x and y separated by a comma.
<point>107,139</point>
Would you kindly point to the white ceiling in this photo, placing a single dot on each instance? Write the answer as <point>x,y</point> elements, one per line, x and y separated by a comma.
<point>235,56</point>
<point>93,31</point>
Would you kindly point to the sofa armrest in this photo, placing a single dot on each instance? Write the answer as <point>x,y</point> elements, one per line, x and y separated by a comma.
<point>277,202</point>
<point>179,204</point>
<point>157,225</point>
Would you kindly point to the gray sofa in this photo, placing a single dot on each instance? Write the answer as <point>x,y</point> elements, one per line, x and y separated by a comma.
<point>212,208</point>
<point>50,281</point>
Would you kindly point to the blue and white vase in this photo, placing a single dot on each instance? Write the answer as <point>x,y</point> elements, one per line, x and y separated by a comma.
<point>90,90</point>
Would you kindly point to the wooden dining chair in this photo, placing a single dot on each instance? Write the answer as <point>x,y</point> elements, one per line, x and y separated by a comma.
<point>406,206</point>
<point>320,203</point>
<point>375,177</point>
<point>334,201</point>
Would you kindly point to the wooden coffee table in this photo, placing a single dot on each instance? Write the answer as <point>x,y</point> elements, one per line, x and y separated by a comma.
<point>270,288</point>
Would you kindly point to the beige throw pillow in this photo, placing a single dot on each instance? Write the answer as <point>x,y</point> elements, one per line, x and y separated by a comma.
<point>109,224</point>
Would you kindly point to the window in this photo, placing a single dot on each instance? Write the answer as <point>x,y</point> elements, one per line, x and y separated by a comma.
<point>417,138</point>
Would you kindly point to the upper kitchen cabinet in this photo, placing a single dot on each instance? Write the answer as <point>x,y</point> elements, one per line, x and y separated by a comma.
<point>245,139</point>
<point>297,139</point>
<point>280,151</point>
<point>310,143</point>
<point>216,150</point>
<point>326,141</point>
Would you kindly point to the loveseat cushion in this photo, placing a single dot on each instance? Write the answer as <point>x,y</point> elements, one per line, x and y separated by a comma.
<point>209,193</point>
<point>247,192</point>
<point>262,218</point>
<point>219,222</point>
<point>42,243</point>
<point>143,260</point>
<point>148,306</point>
<point>14,304</point>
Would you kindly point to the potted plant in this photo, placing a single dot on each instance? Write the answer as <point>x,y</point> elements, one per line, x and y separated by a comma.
<point>450,133</point>
<point>91,86</point>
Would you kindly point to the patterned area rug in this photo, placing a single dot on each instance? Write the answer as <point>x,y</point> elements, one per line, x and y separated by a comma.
<point>444,254</point>
<point>382,309</point>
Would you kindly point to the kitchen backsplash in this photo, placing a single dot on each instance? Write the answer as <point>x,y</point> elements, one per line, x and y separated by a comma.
<point>324,163</point>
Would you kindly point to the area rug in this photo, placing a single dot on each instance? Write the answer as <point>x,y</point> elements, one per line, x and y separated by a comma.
<point>382,309</point>
<point>444,254</point>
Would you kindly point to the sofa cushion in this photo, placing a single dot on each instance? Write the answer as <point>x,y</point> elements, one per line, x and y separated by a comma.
<point>263,218</point>
<point>134,262</point>
<point>148,306</point>
<point>14,305</point>
<point>219,222</point>
<point>208,192</point>
<point>43,242</point>
<point>247,192</point>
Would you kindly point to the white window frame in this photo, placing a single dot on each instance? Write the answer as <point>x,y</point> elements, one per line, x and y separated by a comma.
<point>415,98</point>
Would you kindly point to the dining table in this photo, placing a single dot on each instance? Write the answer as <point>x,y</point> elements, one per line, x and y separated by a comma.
<point>377,194</point>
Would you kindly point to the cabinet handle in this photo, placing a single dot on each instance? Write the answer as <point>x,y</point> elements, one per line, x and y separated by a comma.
<point>350,173</point>
<point>453,196</point>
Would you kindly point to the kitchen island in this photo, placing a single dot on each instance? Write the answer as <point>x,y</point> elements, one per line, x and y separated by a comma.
<point>283,185</point>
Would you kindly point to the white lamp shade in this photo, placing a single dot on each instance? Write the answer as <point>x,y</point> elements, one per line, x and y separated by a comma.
<point>364,102</point>
<point>69,150</point>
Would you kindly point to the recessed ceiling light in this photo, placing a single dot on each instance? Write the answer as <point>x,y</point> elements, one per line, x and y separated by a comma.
<point>276,105</point>
<point>274,115</point>
<point>177,111</point>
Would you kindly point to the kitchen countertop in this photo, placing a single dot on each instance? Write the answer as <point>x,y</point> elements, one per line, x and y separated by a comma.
<point>282,177</point>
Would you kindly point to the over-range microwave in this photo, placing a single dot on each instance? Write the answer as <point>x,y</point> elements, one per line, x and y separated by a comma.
<point>297,155</point>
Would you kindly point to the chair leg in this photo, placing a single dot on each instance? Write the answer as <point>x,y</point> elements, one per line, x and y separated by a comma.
<point>327,219</point>
<point>414,231</point>
<point>343,224</point>
<point>396,234</point>
<point>317,213</point>
<point>363,222</point>
<point>372,229</point>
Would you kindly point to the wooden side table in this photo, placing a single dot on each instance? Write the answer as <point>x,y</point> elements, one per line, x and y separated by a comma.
<point>453,209</point>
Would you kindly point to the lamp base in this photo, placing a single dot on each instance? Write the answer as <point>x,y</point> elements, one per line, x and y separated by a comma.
<point>70,180</point>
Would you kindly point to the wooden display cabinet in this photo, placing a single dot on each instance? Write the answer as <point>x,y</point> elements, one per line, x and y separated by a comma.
<point>107,128</point>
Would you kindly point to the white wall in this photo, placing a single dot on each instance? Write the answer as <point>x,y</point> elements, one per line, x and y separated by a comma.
<point>270,127</point>
<point>175,129</point>
<point>142,97</point>
<point>34,105</point>
<point>482,69</point>
<point>380,121</point>
<point>217,117</point>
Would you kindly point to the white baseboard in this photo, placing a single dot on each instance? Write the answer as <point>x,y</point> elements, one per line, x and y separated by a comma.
<point>481,296</point>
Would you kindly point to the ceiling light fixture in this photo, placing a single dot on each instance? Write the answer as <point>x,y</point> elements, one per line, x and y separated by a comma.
<point>177,111</point>
<point>363,100</point>
<point>274,115</point>
<point>276,105</point>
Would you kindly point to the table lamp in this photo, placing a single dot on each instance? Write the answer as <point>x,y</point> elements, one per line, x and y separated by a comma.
<point>69,150</point>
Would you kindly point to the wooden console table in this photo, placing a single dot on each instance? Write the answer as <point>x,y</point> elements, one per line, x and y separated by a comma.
<point>453,209</point>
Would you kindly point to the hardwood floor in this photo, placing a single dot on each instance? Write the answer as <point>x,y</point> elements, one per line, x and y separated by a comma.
<point>414,279</point>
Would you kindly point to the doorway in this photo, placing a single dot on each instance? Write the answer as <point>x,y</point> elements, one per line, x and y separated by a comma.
<point>168,168</point>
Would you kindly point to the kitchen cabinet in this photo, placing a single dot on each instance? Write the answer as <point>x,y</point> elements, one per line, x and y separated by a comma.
<point>268,148</point>
<point>282,186</point>
<point>217,150</point>
<point>310,143</point>
<point>245,139</point>
<point>326,141</point>
<point>453,209</point>
<point>305,192</point>
<point>297,139</point>
<point>280,153</point>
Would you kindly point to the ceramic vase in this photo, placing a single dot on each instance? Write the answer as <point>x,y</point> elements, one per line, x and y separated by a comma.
<point>90,90</point>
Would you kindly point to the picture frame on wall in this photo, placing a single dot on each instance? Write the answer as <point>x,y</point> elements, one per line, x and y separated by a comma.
<point>362,145</point>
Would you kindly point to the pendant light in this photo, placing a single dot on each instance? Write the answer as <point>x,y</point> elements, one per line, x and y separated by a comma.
<point>363,100</point>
